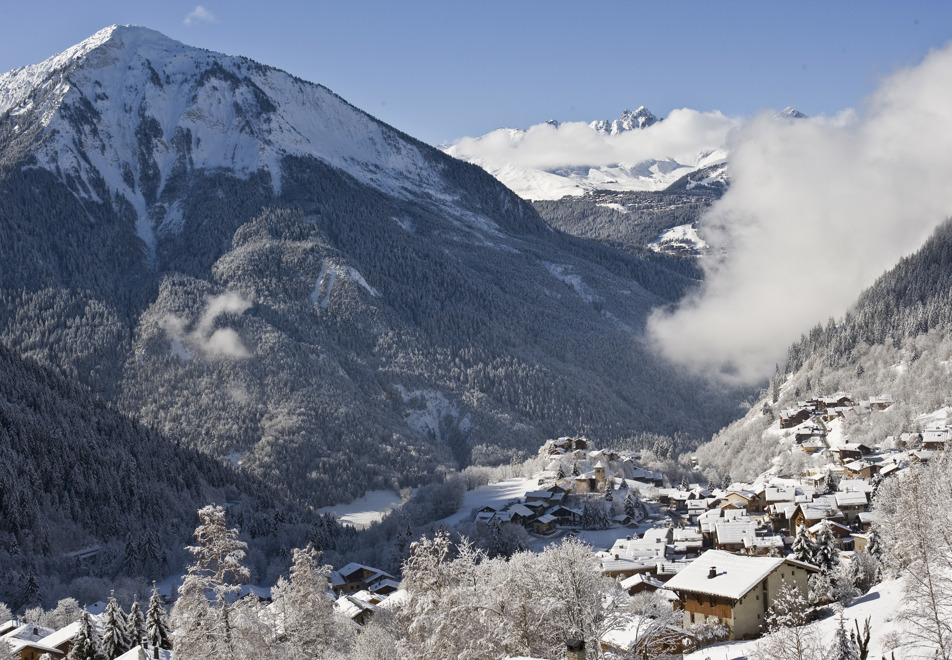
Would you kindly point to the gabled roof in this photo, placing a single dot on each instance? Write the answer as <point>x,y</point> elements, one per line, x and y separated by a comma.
<point>734,532</point>
<point>735,574</point>
<point>64,634</point>
<point>851,498</point>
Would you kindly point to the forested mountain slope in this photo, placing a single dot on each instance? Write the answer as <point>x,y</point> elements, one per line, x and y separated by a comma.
<point>245,262</point>
<point>78,476</point>
<point>895,341</point>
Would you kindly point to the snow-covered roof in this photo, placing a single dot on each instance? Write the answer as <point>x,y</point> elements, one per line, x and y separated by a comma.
<point>780,494</point>
<point>62,635</point>
<point>734,532</point>
<point>862,485</point>
<point>639,578</point>
<point>521,510</point>
<point>851,498</point>
<point>735,575</point>
<point>138,653</point>
<point>763,542</point>
<point>352,607</point>
<point>28,632</point>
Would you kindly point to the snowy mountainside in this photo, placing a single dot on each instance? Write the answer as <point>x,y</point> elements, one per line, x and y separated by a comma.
<point>894,341</point>
<point>129,112</point>
<point>242,260</point>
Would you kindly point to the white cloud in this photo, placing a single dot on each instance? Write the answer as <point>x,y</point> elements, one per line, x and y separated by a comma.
<point>205,338</point>
<point>817,210</point>
<point>682,135</point>
<point>200,15</point>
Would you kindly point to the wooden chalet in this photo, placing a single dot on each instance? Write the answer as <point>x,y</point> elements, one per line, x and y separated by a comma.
<point>936,439</point>
<point>794,417</point>
<point>736,590</point>
<point>356,577</point>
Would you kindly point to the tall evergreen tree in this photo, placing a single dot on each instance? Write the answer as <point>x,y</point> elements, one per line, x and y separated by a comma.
<point>86,644</point>
<point>135,625</point>
<point>804,548</point>
<point>156,626</point>
<point>843,646</point>
<point>115,636</point>
<point>631,504</point>
<point>825,554</point>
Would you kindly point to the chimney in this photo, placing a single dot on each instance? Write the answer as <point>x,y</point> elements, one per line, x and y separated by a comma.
<point>575,649</point>
<point>712,573</point>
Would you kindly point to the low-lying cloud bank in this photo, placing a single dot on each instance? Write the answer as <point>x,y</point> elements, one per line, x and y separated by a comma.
<point>682,136</point>
<point>817,209</point>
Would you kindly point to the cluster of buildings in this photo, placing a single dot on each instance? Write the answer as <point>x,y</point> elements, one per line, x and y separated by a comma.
<point>27,641</point>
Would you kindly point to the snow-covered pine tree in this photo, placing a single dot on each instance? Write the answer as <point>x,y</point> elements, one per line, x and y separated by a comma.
<point>843,647</point>
<point>115,636</point>
<point>203,629</point>
<point>632,504</point>
<point>156,626</point>
<point>31,590</point>
<point>825,554</point>
<point>135,625</point>
<point>86,645</point>
<point>804,547</point>
<point>561,473</point>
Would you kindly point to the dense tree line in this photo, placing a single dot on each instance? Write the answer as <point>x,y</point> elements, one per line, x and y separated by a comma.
<point>78,475</point>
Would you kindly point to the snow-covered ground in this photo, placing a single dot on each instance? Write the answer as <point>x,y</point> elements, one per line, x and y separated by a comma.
<point>495,495</point>
<point>880,605</point>
<point>682,236</point>
<point>365,510</point>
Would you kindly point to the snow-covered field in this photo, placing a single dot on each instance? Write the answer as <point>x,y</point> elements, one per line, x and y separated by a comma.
<point>495,495</point>
<point>682,236</point>
<point>365,510</point>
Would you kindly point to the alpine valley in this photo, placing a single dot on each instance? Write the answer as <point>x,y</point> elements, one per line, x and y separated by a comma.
<point>246,264</point>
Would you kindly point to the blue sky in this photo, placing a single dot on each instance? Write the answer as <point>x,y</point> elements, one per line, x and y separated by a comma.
<point>444,69</point>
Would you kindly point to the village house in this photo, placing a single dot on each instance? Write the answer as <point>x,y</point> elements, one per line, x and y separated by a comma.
<point>935,439</point>
<point>794,417</point>
<point>851,451</point>
<point>842,535</point>
<point>730,535</point>
<point>356,577</point>
<point>851,503</point>
<point>26,642</point>
<point>736,590</point>
<point>753,500</point>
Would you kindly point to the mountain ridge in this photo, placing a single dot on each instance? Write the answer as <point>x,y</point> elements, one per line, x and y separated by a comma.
<point>335,306</point>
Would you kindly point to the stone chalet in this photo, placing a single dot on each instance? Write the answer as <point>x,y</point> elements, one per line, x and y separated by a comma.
<point>736,590</point>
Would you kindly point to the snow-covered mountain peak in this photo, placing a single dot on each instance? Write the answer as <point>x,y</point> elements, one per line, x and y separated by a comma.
<point>640,118</point>
<point>128,110</point>
<point>790,113</point>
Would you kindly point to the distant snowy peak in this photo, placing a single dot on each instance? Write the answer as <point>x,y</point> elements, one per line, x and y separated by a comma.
<point>640,118</point>
<point>790,113</point>
<point>637,152</point>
